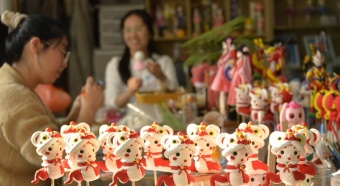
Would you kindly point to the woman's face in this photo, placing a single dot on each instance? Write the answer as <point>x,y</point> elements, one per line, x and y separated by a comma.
<point>52,60</point>
<point>136,34</point>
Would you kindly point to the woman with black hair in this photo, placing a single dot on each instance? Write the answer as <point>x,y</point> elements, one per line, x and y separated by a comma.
<point>36,53</point>
<point>123,79</point>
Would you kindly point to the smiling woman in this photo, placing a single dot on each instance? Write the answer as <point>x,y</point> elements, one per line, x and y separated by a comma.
<point>36,53</point>
<point>122,77</point>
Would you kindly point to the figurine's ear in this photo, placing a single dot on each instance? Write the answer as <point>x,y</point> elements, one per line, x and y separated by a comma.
<point>191,130</point>
<point>265,131</point>
<point>223,139</point>
<point>213,130</point>
<point>110,140</point>
<point>283,112</point>
<point>168,130</point>
<point>242,126</point>
<point>316,136</point>
<point>165,141</point>
<point>144,129</point>
<point>102,129</point>
<point>276,139</point>
<point>35,138</point>
<point>83,126</point>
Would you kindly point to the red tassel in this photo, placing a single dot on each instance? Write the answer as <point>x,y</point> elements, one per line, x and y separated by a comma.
<point>168,180</point>
<point>308,169</point>
<point>219,178</point>
<point>272,177</point>
<point>192,167</point>
<point>76,175</point>
<point>40,174</point>
<point>121,175</point>
<point>213,166</point>
<point>299,175</point>
<point>160,162</point>
<point>102,166</point>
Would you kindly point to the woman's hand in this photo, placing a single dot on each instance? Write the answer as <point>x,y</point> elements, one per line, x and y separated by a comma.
<point>155,69</point>
<point>134,84</point>
<point>91,99</point>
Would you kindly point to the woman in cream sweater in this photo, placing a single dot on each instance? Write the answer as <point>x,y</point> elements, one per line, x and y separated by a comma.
<point>36,53</point>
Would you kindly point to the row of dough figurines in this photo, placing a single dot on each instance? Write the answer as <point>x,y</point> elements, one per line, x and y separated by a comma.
<point>301,151</point>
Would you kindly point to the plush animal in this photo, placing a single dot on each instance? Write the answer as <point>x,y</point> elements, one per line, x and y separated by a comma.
<point>255,168</point>
<point>50,145</point>
<point>236,149</point>
<point>83,147</point>
<point>128,147</point>
<point>292,113</point>
<point>204,138</point>
<point>288,147</point>
<point>179,149</point>
<point>152,136</point>
<point>313,138</point>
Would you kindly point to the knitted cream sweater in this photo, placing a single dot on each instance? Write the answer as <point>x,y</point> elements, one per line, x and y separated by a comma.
<point>21,114</point>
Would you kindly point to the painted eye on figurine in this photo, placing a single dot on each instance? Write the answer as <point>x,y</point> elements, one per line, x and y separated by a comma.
<point>75,140</point>
<point>122,138</point>
<point>191,133</point>
<point>140,148</point>
<point>208,144</point>
<point>306,134</point>
<point>119,130</point>
<point>81,151</point>
<point>263,178</point>
<point>295,152</point>
<point>128,150</point>
<point>211,133</point>
<point>49,149</point>
<point>174,141</point>
<point>235,153</point>
<point>92,150</point>
<point>282,152</point>
<point>161,131</point>
<point>252,179</point>
<point>256,131</point>
<point>300,115</point>
<point>178,154</point>
<point>156,142</point>
<point>307,180</point>
<point>253,143</point>
<point>195,144</point>
<point>190,155</point>
<point>246,154</point>
<point>44,138</point>
<point>291,115</point>
<point>232,140</point>
<point>279,138</point>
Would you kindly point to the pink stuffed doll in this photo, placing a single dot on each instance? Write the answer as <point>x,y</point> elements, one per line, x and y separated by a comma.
<point>50,145</point>
<point>243,99</point>
<point>84,147</point>
<point>288,147</point>
<point>292,113</point>
<point>204,138</point>
<point>152,146</point>
<point>179,149</point>
<point>254,167</point>
<point>313,138</point>
<point>112,162</point>
<point>66,130</point>
<point>236,149</point>
<point>127,146</point>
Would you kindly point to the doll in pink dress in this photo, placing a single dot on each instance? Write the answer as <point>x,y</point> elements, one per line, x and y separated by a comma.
<point>204,138</point>
<point>288,147</point>
<point>50,145</point>
<point>153,149</point>
<point>220,83</point>
<point>128,147</point>
<point>236,149</point>
<point>240,74</point>
<point>254,167</point>
<point>179,149</point>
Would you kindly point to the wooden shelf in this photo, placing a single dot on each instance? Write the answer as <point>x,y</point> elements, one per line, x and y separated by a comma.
<point>306,27</point>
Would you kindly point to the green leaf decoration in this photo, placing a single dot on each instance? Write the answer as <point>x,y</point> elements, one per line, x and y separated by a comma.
<point>208,46</point>
<point>169,118</point>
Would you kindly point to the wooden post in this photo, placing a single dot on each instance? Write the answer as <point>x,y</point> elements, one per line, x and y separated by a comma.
<point>155,177</point>
<point>52,182</point>
<point>271,160</point>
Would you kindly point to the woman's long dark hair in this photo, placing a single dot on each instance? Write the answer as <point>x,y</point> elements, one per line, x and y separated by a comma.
<point>124,63</point>
<point>45,28</point>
